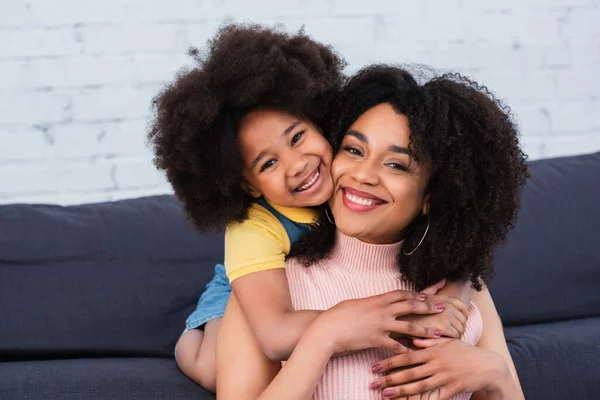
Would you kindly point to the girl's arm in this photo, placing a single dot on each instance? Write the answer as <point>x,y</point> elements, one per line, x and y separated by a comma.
<point>244,372</point>
<point>264,298</point>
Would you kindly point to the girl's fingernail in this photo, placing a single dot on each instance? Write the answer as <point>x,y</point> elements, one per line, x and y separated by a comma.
<point>375,385</point>
<point>388,393</point>
<point>423,295</point>
<point>377,368</point>
<point>437,332</point>
<point>440,306</point>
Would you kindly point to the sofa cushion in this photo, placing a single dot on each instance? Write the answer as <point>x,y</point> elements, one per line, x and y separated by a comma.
<point>557,360</point>
<point>114,379</point>
<point>103,279</point>
<point>549,269</point>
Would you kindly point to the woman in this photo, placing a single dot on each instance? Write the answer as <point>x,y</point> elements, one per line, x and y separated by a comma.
<point>426,180</point>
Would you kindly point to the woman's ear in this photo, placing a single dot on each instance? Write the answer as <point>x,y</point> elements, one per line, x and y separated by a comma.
<point>426,204</point>
<point>246,187</point>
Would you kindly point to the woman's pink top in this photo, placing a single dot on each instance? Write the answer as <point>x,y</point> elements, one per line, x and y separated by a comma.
<point>356,270</point>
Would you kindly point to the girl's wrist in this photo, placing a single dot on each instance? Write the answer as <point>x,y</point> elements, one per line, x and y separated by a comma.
<point>317,333</point>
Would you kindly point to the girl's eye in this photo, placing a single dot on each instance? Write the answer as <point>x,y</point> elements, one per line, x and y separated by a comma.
<point>397,166</point>
<point>268,164</point>
<point>297,137</point>
<point>352,150</point>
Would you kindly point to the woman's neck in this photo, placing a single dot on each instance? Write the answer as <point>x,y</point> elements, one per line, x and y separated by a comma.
<point>369,261</point>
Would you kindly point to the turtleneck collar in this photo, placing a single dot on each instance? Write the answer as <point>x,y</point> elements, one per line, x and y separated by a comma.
<point>371,261</point>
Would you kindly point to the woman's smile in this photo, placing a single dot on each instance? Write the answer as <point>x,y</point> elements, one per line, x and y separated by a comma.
<point>359,201</point>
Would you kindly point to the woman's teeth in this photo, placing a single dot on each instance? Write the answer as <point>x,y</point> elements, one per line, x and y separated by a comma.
<point>309,184</point>
<point>359,200</point>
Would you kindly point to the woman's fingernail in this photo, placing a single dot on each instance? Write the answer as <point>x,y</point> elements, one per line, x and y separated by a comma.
<point>375,385</point>
<point>377,368</point>
<point>423,295</point>
<point>440,306</point>
<point>437,332</point>
<point>388,393</point>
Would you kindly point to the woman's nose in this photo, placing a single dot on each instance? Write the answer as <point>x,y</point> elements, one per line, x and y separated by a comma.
<point>365,172</point>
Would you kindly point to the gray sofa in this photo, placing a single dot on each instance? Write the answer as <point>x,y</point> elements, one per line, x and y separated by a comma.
<point>94,297</point>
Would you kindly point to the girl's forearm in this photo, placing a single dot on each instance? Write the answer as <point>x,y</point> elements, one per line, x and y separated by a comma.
<point>300,375</point>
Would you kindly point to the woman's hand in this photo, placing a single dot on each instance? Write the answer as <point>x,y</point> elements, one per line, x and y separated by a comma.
<point>448,365</point>
<point>364,323</point>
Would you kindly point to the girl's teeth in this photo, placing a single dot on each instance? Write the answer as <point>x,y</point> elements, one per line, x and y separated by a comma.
<point>359,200</point>
<point>310,183</point>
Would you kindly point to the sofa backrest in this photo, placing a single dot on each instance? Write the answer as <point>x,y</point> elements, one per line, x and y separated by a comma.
<point>549,269</point>
<point>99,279</point>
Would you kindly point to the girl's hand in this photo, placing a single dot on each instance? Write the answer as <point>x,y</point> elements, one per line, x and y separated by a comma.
<point>448,365</point>
<point>452,321</point>
<point>364,323</point>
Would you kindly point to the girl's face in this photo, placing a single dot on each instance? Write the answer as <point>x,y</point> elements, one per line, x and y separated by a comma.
<point>286,159</point>
<point>379,189</point>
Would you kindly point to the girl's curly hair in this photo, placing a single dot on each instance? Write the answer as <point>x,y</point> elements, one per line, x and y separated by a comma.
<point>477,171</point>
<point>196,117</point>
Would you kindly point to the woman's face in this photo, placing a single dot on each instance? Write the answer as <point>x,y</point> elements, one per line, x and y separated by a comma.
<point>379,189</point>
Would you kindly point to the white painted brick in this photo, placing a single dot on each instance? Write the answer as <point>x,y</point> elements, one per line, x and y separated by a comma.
<point>29,198</point>
<point>176,10</point>
<point>532,119</point>
<point>528,28</point>
<point>572,145</point>
<point>518,6</point>
<point>532,147</point>
<point>24,179</point>
<point>72,72</point>
<point>575,84</point>
<point>35,107</point>
<point>138,173</point>
<point>108,139</point>
<point>350,30</point>
<point>73,197</point>
<point>142,192</point>
<point>582,25</point>
<point>133,38</point>
<point>574,116</point>
<point>90,70</point>
<point>585,53</point>
<point>113,103</point>
<point>250,10</point>
<point>12,74</point>
<point>85,176</point>
<point>70,12</point>
<point>38,42</point>
<point>25,144</point>
<point>514,87</point>
<point>436,28</point>
<point>391,8</point>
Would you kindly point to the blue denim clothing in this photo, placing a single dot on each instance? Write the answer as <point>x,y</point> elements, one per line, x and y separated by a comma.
<point>213,301</point>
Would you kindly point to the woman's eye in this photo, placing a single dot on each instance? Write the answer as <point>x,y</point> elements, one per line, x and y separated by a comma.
<point>352,150</point>
<point>397,166</point>
<point>297,137</point>
<point>266,165</point>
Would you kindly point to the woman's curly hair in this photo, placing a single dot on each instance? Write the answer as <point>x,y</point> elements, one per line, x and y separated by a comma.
<point>477,171</point>
<point>196,118</point>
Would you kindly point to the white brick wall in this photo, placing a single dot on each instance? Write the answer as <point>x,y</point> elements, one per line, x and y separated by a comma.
<point>77,76</point>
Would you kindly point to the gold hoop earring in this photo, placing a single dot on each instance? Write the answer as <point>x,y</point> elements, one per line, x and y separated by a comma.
<point>328,217</point>
<point>421,241</point>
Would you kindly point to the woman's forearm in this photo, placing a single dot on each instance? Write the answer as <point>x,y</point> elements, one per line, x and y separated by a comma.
<point>300,375</point>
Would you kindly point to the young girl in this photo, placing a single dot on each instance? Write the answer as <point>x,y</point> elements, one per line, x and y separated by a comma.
<point>240,138</point>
